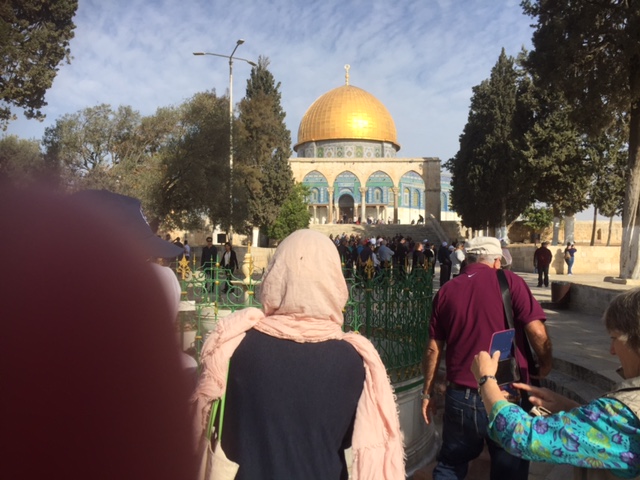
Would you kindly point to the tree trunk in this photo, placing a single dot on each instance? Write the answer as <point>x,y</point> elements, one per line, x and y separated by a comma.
<point>569,228</point>
<point>556,226</point>
<point>610,229</point>
<point>629,267</point>
<point>593,229</point>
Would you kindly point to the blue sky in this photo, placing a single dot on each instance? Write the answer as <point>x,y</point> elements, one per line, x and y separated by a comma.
<point>420,58</point>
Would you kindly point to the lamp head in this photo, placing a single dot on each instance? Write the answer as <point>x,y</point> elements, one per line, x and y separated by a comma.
<point>198,53</point>
<point>240,42</point>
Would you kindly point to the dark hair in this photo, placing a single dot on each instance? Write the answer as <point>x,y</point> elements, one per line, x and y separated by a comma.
<point>623,315</point>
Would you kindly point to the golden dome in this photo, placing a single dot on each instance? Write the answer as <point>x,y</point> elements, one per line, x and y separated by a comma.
<point>347,113</point>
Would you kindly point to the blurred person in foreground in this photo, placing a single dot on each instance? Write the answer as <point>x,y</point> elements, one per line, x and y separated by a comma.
<point>603,434</point>
<point>300,390</point>
<point>92,385</point>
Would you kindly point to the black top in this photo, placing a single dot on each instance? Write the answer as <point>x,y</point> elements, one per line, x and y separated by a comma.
<point>233,260</point>
<point>290,407</point>
<point>209,255</point>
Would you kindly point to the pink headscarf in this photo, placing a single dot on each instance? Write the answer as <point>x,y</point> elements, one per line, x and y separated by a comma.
<point>303,294</point>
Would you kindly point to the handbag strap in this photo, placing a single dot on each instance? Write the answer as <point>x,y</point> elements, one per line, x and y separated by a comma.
<point>219,402</point>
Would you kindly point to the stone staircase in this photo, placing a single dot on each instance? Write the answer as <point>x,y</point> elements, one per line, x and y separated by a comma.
<point>578,382</point>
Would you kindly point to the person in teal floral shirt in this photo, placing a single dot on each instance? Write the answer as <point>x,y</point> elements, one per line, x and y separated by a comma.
<point>604,434</point>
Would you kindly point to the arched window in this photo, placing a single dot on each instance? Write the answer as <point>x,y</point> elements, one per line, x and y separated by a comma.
<point>444,202</point>
<point>405,199</point>
<point>416,199</point>
<point>377,195</point>
<point>315,195</point>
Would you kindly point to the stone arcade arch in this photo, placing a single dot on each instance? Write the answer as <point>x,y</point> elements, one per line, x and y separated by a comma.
<point>413,197</point>
<point>380,197</point>
<point>319,196</point>
<point>346,208</point>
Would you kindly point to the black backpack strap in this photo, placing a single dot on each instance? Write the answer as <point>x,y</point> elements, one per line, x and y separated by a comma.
<point>506,298</point>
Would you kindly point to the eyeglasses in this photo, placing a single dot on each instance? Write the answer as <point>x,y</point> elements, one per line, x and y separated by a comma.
<point>209,240</point>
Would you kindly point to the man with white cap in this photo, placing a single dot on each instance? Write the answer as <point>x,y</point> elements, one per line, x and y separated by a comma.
<point>465,314</point>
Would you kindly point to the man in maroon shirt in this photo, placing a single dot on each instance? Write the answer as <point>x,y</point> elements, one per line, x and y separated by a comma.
<point>466,312</point>
<point>541,260</point>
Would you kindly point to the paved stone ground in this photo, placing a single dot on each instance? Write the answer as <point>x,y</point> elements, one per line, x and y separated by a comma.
<point>577,338</point>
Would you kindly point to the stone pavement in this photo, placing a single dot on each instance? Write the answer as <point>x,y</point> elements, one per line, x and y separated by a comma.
<point>580,342</point>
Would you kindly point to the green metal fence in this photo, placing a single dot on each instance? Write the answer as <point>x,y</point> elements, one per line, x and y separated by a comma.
<point>390,307</point>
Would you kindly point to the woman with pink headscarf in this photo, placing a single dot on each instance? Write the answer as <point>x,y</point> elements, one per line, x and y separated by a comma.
<point>300,390</point>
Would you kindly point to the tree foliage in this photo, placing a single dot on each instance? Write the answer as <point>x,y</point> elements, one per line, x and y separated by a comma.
<point>293,215</point>
<point>34,39</point>
<point>537,218</point>
<point>89,143</point>
<point>608,154</point>
<point>175,161</point>
<point>591,52</point>
<point>21,162</point>
<point>555,151</point>
<point>192,166</point>
<point>489,168</point>
<point>264,147</point>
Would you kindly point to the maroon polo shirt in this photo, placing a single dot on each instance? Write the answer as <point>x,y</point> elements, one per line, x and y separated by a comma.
<point>468,310</point>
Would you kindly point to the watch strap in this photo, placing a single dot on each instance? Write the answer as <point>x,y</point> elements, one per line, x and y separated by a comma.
<point>483,379</point>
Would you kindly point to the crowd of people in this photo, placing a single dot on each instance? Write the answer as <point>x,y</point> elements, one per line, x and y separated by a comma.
<point>402,253</point>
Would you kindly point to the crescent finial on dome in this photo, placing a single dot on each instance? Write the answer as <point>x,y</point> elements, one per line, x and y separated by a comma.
<point>346,76</point>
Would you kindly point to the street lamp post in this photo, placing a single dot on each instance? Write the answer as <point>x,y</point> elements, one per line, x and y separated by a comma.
<point>231,58</point>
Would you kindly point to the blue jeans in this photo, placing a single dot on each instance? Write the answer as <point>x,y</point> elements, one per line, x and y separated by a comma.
<point>464,433</point>
<point>569,265</point>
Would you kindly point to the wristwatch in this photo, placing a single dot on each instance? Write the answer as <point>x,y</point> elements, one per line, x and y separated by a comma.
<point>483,379</point>
<point>425,396</point>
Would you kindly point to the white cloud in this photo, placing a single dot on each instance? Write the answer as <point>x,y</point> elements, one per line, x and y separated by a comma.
<point>420,58</point>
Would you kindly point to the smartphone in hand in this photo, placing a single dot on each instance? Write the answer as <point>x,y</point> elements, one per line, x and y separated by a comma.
<point>502,341</point>
<point>508,370</point>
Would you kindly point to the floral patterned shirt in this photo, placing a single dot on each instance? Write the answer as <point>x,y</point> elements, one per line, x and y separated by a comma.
<point>601,434</point>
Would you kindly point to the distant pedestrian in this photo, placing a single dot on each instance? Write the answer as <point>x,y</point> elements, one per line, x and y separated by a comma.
<point>229,262</point>
<point>445,263</point>
<point>419,258</point>
<point>542,259</point>
<point>187,250</point>
<point>457,258</point>
<point>569,256</point>
<point>208,261</point>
